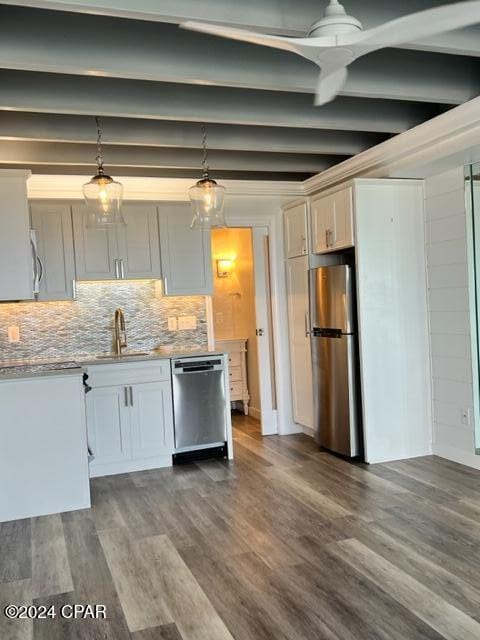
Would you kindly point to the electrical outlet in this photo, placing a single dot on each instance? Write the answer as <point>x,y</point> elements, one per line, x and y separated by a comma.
<point>466,416</point>
<point>172,323</point>
<point>187,322</point>
<point>14,333</point>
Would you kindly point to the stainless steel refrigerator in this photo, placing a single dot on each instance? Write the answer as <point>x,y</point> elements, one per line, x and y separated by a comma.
<point>334,350</point>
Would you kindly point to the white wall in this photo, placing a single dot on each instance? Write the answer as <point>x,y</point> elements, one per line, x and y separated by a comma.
<point>449,313</point>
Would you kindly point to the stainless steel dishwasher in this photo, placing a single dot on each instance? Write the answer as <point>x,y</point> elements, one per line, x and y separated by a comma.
<point>199,407</point>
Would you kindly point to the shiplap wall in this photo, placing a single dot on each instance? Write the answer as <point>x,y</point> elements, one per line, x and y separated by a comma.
<point>449,313</point>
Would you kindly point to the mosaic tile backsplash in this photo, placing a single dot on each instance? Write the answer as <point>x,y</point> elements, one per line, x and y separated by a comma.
<point>51,330</point>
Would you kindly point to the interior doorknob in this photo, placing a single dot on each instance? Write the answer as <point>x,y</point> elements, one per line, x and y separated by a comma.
<point>260,332</point>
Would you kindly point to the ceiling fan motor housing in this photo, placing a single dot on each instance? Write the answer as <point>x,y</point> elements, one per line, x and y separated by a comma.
<point>336,22</point>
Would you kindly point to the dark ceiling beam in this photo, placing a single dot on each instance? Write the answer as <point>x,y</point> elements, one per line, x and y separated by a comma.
<point>40,127</point>
<point>80,95</point>
<point>272,16</point>
<point>64,154</point>
<point>152,172</point>
<point>93,45</point>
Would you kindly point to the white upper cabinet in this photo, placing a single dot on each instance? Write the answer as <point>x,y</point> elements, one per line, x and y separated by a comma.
<point>52,223</point>
<point>186,253</point>
<point>299,332</point>
<point>332,221</point>
<point>124,252</point>
<point>96,254</point>
<point>296,230</point>
<point>16,258</point>
<point>138,242</point>
<point>323,223</point>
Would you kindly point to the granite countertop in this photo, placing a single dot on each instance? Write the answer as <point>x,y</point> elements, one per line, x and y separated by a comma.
<point>56,366</point>
<point>32,369</point>
<point>155,354</point>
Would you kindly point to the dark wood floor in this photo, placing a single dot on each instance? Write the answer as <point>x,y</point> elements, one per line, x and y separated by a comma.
<point>284,543</point>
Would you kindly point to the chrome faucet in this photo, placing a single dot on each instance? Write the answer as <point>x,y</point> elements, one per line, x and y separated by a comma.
<point>120,334</point>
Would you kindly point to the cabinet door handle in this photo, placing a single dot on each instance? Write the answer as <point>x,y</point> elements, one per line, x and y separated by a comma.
<point>304,244</point>
<point>125,389</point>
<point>40,269</point>
<point>117,273</point>
<point>131,396</point>
<point>326,237</point>
<point>122,269</point>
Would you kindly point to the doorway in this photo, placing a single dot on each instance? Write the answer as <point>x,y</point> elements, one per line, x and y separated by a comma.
<point>241,319</point>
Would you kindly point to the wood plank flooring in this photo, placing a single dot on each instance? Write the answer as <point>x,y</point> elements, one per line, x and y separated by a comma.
<point>285,543</point>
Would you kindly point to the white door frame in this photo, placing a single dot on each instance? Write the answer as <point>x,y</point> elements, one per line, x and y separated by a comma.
<point>270,414</point>
<point>265,346</point>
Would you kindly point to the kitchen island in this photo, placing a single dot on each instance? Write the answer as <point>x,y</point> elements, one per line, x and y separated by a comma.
<point>48,425</point>
<point>43,456</point>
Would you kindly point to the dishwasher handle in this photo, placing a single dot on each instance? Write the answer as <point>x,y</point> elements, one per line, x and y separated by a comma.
<point>196,369</point>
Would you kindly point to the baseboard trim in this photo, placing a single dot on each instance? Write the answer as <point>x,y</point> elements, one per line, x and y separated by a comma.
<point>308,431</point>
<point>456,455</point>
<point>419,454</point>
<point>127,466</point>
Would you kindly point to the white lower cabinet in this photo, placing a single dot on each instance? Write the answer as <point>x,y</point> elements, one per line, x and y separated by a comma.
<point>108,418</point>
<point>129,417</point>
<point>151,419</point>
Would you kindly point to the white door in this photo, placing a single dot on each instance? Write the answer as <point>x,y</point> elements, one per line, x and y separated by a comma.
<point>323,223</point>
<point>108,421</point>
<point>96,250</point>
<point>299,333</point>
<point>138,241</point>
<point>295,227</point>
<point>264,331</point>
<point>152,419</point>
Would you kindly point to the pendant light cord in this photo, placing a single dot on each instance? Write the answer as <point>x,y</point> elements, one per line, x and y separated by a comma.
<point>205,157</point>
<point>99,146</point>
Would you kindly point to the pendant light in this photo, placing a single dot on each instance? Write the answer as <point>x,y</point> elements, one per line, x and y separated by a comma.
<point>103,195</point>
<point>207,197</point>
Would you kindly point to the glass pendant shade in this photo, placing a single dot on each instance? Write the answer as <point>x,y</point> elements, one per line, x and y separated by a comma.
<point>103,195</point>
<point>207,198</point>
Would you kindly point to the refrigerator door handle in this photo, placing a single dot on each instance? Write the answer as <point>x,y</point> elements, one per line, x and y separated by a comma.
<point>307,330</point>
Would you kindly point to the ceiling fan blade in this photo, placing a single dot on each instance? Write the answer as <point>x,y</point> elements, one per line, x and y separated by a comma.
<point>416,26</point>
<point>330,84</point>
<point>301,46</point>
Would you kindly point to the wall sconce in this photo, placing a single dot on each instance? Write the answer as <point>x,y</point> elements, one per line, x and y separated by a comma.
<point>225,268</point>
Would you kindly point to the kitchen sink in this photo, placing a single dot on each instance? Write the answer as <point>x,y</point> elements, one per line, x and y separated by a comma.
<point>123,356</point>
